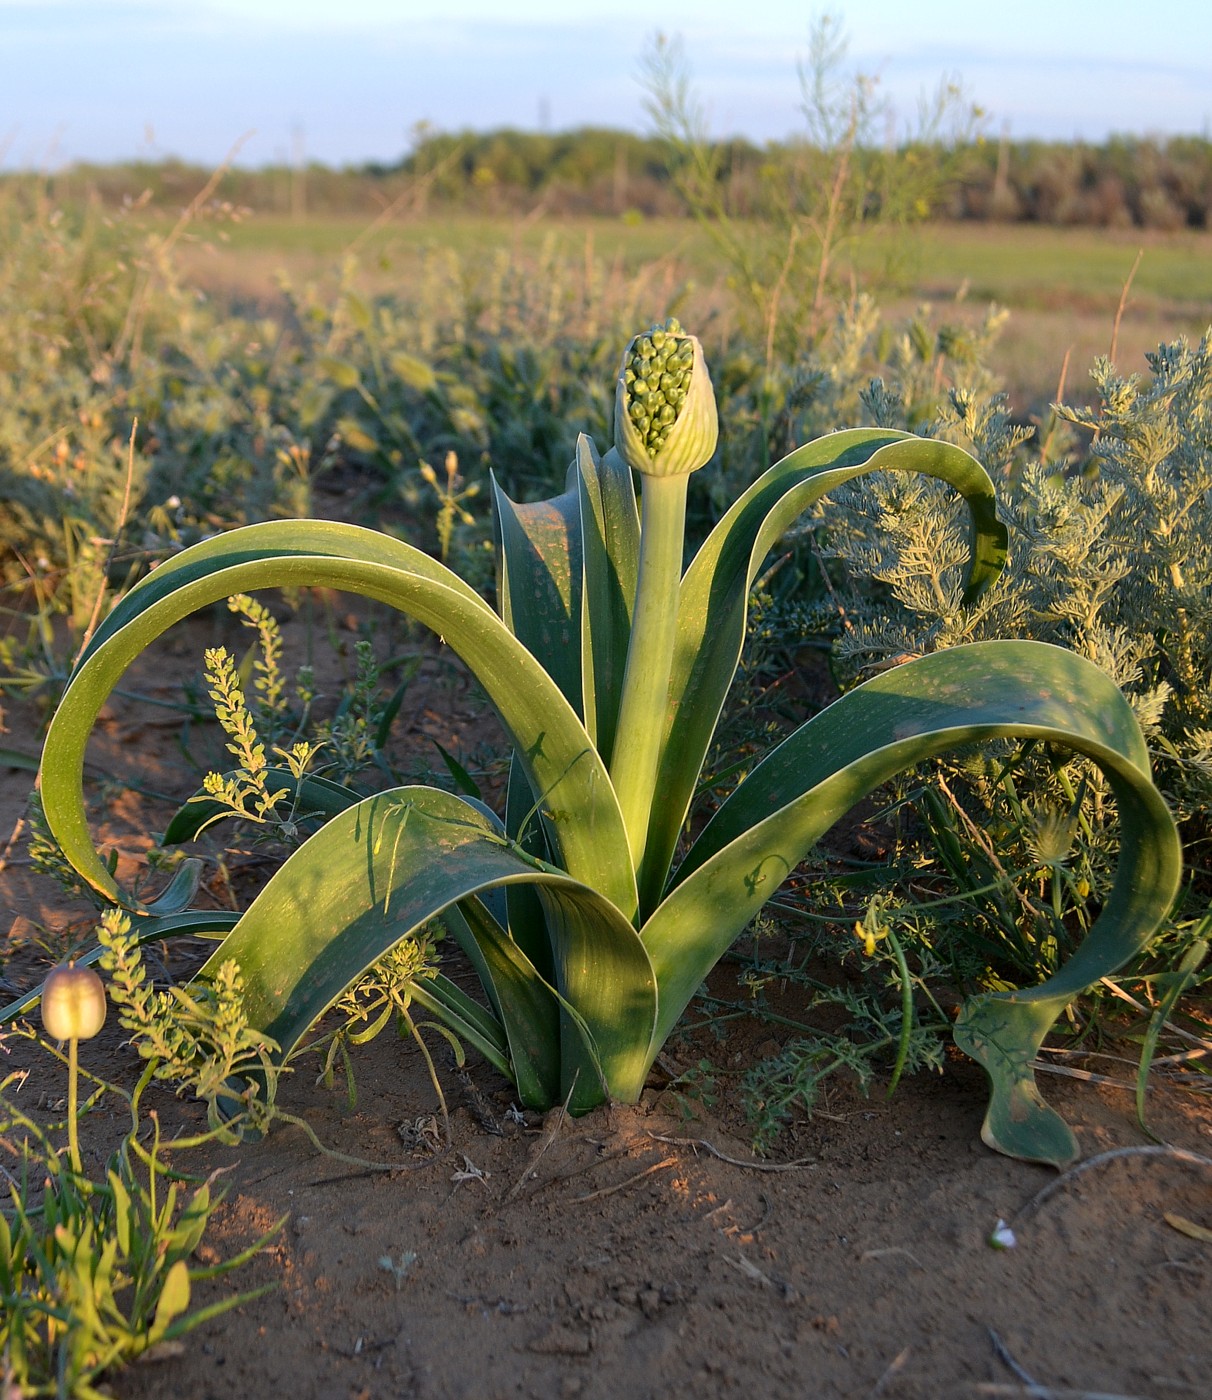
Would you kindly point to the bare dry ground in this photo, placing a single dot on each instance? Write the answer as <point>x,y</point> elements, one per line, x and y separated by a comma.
<point>618,1255</point>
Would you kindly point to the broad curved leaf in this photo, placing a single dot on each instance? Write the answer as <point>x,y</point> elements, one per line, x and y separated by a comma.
<point>987,690</point>
<point>607,981</point>
<point>715,590</point>
<point>539,577</point>
<point>379,871</point>
<point>578,803</point>
<point>567,570</point>
<point>528,1009</point>
<point>610,544</point>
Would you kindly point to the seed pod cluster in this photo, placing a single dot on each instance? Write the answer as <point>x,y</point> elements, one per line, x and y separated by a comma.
<point>657,377</point>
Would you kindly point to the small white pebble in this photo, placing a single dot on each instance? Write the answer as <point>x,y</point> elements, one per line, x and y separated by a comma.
<point>1002,1236</point>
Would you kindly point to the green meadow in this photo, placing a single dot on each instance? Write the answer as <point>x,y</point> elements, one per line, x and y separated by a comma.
<point>1062,287</point>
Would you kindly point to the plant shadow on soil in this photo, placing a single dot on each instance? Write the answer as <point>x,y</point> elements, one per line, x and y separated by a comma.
<point>596,1257</point>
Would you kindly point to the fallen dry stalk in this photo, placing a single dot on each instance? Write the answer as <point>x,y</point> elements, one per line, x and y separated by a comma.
<point>551,1130</point>
<point>735,1161</point>
<point>1177,1154</point>
<point>630,1181</point>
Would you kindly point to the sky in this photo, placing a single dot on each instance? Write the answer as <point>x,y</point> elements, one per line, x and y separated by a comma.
<point>348,81</point>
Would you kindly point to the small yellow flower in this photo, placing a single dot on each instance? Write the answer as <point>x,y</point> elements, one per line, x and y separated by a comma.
<point>868,935</point>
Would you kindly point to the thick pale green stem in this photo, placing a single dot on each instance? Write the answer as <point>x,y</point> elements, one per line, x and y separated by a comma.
<point>637,747</point>
<point>73,1128</point>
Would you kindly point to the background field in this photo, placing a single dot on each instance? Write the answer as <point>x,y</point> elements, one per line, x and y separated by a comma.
<point>1062,286</point>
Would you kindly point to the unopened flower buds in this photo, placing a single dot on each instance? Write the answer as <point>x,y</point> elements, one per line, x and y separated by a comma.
<point>665,420</point>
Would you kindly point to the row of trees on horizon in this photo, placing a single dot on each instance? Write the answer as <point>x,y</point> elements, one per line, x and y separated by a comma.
<point>1125,182</point>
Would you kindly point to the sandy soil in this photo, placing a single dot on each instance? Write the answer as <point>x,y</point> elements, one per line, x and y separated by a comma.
<point>644,1251</point>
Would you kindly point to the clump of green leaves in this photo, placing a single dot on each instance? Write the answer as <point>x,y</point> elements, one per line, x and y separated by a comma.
<point>588,922</point>
<point>95,1275</point>
<point>353,736</point>
<point>887,1023</point>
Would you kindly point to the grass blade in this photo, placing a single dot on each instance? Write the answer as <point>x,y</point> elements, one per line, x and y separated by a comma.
<point>1180,980</point>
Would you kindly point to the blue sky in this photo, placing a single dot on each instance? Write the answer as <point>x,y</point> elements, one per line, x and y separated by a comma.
<point>348,80</point>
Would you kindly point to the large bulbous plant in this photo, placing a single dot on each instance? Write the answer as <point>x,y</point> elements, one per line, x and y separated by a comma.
<point>608,667</point>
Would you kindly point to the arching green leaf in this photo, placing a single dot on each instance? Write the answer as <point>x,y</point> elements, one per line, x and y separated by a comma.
<point>578,806</point>
<point>715,592</point>
<point>988,690</point>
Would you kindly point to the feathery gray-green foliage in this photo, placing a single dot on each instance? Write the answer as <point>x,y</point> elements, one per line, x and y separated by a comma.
<point>1111,548</point>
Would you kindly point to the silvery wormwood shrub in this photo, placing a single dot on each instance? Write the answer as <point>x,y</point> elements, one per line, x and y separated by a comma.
<point>1111,551</point>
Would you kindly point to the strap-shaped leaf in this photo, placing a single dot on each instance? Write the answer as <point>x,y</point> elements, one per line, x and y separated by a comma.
<point>608,985</point>
<point>465,1016</point>
<point>526,1005</point>
<point>567,580</point>
<point>715,591</point>
<point>578,804</point>
<point>526,922</point>
<point>180,890</point>
<point>539,581</point>
<point>379,871</point>
<point>610,543</point>
<point>984,691</point>
<point>539,587</point>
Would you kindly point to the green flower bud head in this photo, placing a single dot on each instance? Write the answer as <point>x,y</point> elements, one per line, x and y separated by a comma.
<point>665,421</point>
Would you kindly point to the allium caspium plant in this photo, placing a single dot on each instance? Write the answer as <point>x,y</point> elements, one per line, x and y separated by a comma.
<point>588,911</point>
